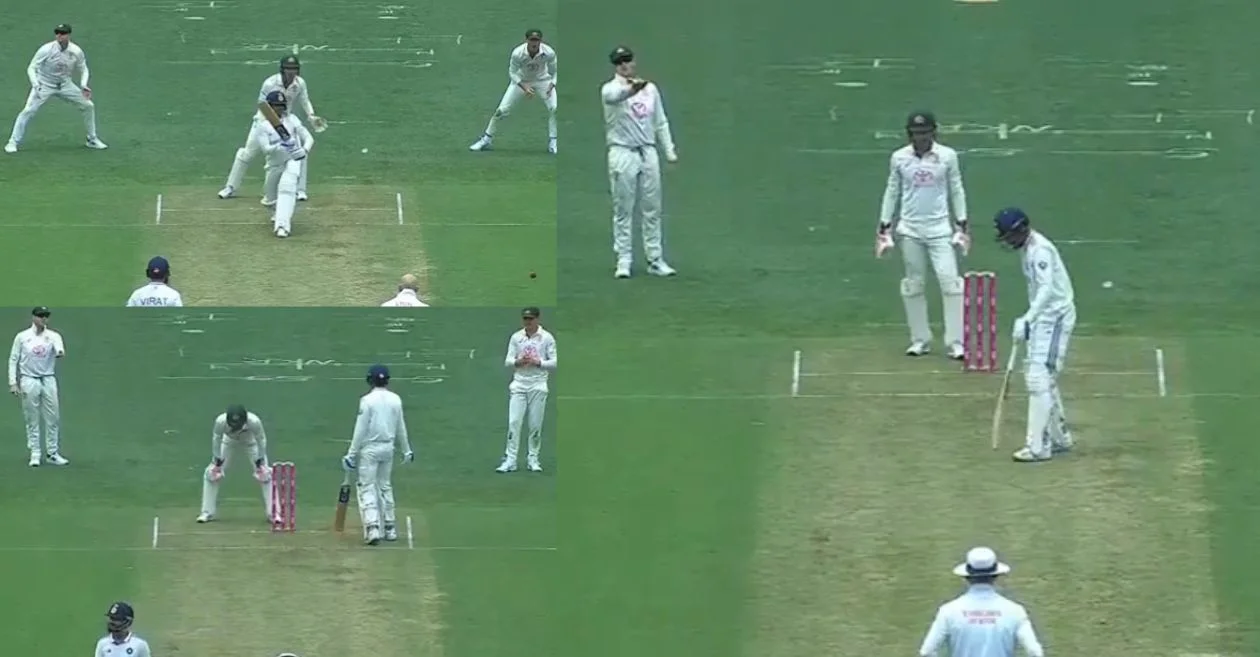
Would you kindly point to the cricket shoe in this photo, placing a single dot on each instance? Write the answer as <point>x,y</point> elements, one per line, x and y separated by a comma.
<point>534,466</point>
<point>35,460</point>
<point>56,459</point>
<point>1025,455</point>
<point>373,535</point>
<point>482,144</point>
<point>95,144</point>
<point>301,196</point>
<point>391,533</point>
<point>661,268</point>
<point>506,466</point>
<point>227,192</point>
<point>268,202</point>
<point>919,348</point>
<point>10,147</point>
<point>204,517</point>
<point>551,146</point>
<point>281,232</point>
<point>1062,447</point>
<point>956,352</point>
<point>623,269</point>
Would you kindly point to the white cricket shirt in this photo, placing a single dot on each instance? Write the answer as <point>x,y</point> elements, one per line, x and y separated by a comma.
<point>1050,292</point>
<point>296,93</point>
<point>981,623</point>
<point>53,66</point>
<point>540,345</point>
<point>268,141</point>
<point>921,190</point>
<point>635,120</point>
<point>250,435</point>
<point>131,646</point>
<point>532,70</point>
<point>35,354</point>
<point>380,422</point>
<point>155,294</point>
<point>405,299</point>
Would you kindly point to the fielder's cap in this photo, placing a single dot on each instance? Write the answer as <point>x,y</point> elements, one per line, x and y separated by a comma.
<point>533,35</point>
<point>530,313</point>
<point>621,55</point>
<point>290,61</point>
<point>277,98</point>
<point>921,120</point>
<point>1008,219</point>
<point>981,562</point>
<point>40,311</point>
<point>378,373</point>
<point>158,266</point>
<point>63,28</point>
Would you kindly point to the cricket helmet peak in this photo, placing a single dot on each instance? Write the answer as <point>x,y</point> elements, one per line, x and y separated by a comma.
<point>1012,225</point>
<point>119,617</point>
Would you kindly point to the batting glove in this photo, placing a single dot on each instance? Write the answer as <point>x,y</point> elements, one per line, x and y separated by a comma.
<point>347,463</point>
<point>1020,332</point>
<point>297,153</point>
<point>409,457</point>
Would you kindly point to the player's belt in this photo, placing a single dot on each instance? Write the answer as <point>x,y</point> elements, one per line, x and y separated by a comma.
<point>41,377</point>
<point>638,149</point>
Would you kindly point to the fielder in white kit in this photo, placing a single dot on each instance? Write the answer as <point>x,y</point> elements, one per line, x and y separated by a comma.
<point>379,426</point>
<point>635,124</point>
<point>531,353</point>
<point>32,378</point>
<point>51,72</point>
<point>158,291</point>
<point>981,622</point>
<point>236,429</point>
<point>290,82</point>
<point>531,72</point>
<point>924,182</point>
<point>285,155</point>
<point>1046,329</point>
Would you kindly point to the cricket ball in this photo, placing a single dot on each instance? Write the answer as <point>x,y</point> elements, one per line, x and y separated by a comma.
<point>533,274</point>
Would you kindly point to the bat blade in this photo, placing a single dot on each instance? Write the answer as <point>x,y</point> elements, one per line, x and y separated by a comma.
<point>1001,401</point>
<point>343,501</point>
<point>274,119</point>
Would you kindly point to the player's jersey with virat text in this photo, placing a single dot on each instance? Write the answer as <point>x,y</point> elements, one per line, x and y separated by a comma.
<point>155,295</point>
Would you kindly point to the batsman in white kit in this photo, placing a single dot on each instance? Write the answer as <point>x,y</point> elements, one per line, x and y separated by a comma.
<point>1046,330</point>
<point>286,149</point>
<point>233,430</point>
<point>531,74</point>
<point>531,353</point>
<point>379,425</point>
<point>32,378</point>
<point>924,183</point>
<point>52,72</point>
<point>635,125</point>
<point>119,640</point>
<point>981,622</point>
<point>290,82</point>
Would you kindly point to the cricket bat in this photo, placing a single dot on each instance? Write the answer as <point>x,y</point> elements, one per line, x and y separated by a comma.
<point>1001,400</point>
<point>343,500</point>
<point>274,119</point>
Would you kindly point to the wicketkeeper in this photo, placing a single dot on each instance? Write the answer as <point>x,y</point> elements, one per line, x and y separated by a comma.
<point>379,426</point>
<point>236,429</point>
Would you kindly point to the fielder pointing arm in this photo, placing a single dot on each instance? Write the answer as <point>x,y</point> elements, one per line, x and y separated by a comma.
<point>660,124</point>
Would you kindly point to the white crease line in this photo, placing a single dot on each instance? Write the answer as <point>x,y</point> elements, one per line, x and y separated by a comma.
<point>959,371</point>
<point>398,197</point>
<point>263,548</point>
<point>796,373</point>
<point>1159,373</point>
<point>894,395</point>
<point>1099,242</point>
<point>411,536</point>
<point>158,217</point>
<point>317,224</point>
<point>156,521</point>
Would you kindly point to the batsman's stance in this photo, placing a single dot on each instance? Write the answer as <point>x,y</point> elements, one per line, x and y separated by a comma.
<point>284,162</point>
<point>531,352</point>
<point>924,181</point>
<point>380,424</point>
<point>236,428</point>
<point>1047,328</point>
<point>32,365</point>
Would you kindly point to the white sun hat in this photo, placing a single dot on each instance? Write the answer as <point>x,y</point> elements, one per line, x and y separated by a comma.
<point>981,562</point>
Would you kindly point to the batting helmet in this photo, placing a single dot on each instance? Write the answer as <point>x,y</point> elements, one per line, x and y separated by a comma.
<point>236,417</point>
<point>378,375</point>
<point>158,270</point>
<point>119,617</point>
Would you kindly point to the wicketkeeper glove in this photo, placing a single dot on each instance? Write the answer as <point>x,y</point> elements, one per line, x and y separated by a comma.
<point>347,463</point>
<point>262,474</point>
<point>883,240</point>
<point>409,457</point>
<point>318,124</point>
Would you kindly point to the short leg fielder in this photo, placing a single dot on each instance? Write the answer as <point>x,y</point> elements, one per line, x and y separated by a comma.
<point>635,177</point>
<point>40,402</point>
<point>525,407</point>
<point>1046,354</point>
<point>67,91</point>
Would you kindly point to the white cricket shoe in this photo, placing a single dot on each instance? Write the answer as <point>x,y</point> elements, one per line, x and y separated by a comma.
<point>35,460</point>
<point>1025,455</point>
<point>301,196</point>
<point>227,192</point>
<point>534,465</point>
<point>482,144</point>
<point>57,459</point>
<point>205,517</point>
<point>918,348</point>
<point>659,267</point>
<point>551,146</point>
<point>281,232</point>
<point>373,535</point>
<point>10,147</point>
<point>391,533</point>
<point>623,269</point>
<point>95,144</point>
<point>506,466</point>
<point>268,202</point>
<point>956,352</point>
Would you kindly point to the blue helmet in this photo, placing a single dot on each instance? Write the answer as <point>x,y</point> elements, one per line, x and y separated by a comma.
<point>119,617</point>
<point>278,100</point>
<point>378,375</point>
<point>158,270</point>
<point>1012,225</point>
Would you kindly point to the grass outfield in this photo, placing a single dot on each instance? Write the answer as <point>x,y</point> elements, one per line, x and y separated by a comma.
<point>393,187</point>
<point>731,518</point>
<point>139,393</point>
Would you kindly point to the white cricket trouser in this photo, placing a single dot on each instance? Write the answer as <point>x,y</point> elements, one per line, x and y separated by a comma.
<point>1046,353</point>
<point>635,177</point>
<point>525,405</point>
<point>39,401</point>
<point>281,186</point>
<point>375,492</point>
<point>240,165</point>
<point>916,253</point>
<point>210,488</point>
<point>515,95</point>
<point>67,91</point>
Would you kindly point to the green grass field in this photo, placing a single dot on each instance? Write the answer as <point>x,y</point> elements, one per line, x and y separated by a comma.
<point>725,516</point>
<point>393,187</point>
<point>139,394</point>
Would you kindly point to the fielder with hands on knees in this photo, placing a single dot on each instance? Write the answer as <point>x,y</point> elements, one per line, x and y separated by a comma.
<point>531,352</point>
<point>235,429</point>
<point>924,183</point>
<point>1046,328</point>
<point>380,424</point>
<point>32,378</point>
